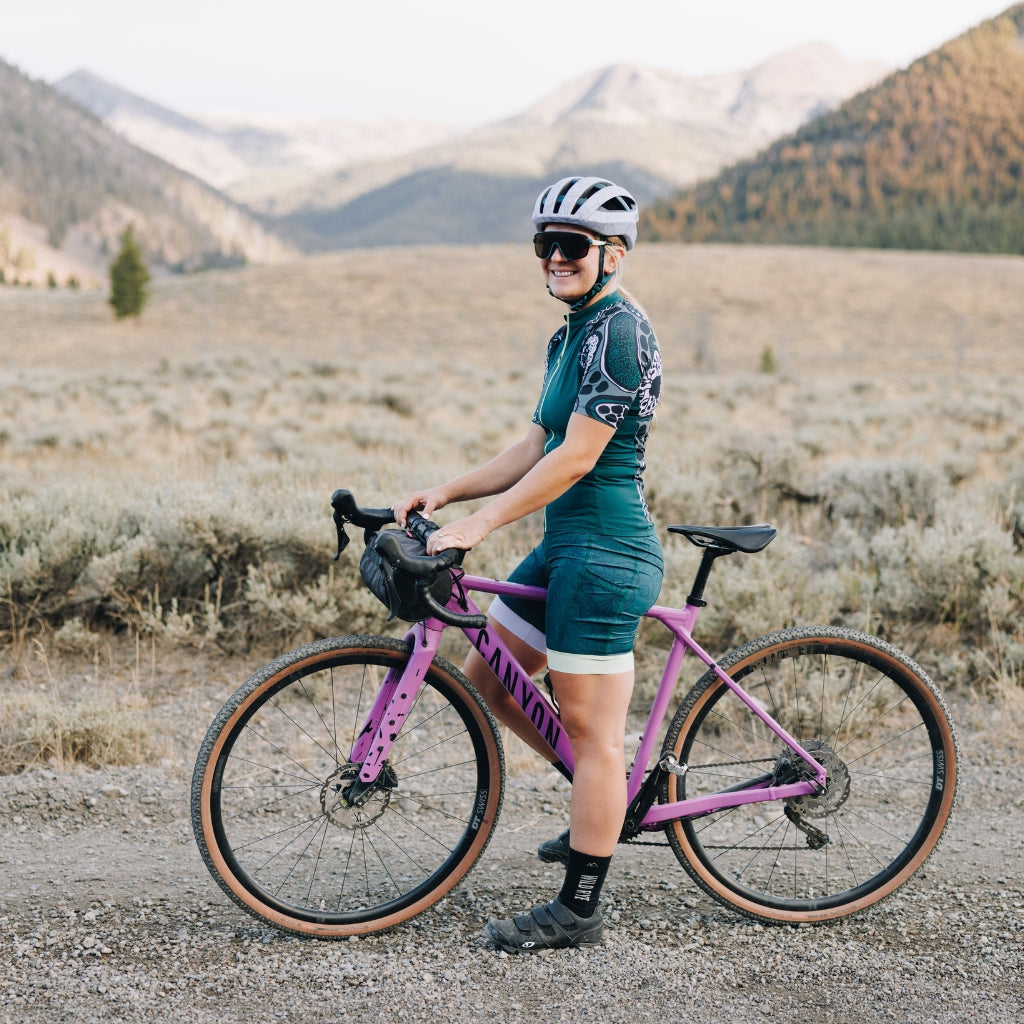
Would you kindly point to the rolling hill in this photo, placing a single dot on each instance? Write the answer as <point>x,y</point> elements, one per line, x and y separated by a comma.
<point>930,158</point>
<point>69,185</point>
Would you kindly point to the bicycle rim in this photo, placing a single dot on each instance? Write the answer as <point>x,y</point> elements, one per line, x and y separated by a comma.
<point>876,722</point>
<point>266,793</point>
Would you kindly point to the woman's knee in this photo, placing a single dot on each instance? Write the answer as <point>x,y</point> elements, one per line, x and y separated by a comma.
<point>589,733</point>
<point>597,746</point>
<point>593,709</point>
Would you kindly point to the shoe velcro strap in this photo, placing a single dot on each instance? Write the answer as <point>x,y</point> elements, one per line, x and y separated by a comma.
<point>554,913</point>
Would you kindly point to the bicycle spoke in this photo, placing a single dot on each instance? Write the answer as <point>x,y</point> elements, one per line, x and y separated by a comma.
<point>870,718</point>
<point>291,840</point>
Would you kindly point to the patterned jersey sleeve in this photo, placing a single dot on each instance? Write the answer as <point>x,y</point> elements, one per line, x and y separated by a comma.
<point>619,361</point>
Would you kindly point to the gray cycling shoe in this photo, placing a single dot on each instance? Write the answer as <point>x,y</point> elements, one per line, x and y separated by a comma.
<point>552,926</point>
<point>555,851</point>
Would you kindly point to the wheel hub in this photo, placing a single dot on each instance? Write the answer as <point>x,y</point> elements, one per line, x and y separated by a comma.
<point>837,783</point>
<point>372,804</point>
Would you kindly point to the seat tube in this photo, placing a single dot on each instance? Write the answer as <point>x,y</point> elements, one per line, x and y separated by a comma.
<point>658,711</point>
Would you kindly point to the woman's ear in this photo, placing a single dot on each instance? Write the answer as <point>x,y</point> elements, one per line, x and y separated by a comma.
<point>617,254</point>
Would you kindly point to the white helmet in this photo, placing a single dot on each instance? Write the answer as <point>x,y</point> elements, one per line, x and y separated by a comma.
<point>596,204</point>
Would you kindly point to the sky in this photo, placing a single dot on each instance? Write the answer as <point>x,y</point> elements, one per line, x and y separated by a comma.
<point>463,61</point>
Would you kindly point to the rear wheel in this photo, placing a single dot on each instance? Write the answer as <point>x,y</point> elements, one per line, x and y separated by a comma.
<point>267,792</point>
<point>864,710</point>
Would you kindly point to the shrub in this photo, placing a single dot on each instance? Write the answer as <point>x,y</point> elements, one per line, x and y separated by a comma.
<point>105,727</point>
<point>962,570</point>
<point>877,494</point>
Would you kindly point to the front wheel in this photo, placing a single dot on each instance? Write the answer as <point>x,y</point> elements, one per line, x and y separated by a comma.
<point>269,805</point>
<point>866,712</point>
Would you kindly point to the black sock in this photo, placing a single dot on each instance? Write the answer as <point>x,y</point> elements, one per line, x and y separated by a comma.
<point>584,876</point>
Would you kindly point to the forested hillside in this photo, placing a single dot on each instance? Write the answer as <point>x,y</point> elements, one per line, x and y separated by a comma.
<point>931,158</point>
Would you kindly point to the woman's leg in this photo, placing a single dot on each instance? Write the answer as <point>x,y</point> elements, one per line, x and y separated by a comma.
<point>594,716</point>
<point>593,712</point>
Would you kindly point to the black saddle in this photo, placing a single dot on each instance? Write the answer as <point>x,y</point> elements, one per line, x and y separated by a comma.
<point>728,538</point>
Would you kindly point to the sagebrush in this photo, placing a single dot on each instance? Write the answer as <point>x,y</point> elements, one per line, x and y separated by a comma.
<point>180,491</point>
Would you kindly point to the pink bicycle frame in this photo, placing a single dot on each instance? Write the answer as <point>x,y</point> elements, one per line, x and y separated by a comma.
<point>398,694</point>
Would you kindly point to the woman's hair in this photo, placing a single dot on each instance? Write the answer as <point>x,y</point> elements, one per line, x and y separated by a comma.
<point>629,296</point>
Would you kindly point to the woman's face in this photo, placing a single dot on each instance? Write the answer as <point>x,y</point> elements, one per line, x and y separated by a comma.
<point>570,280</point>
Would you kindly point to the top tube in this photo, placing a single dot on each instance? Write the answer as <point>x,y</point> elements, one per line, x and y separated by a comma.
<point>677,620</point>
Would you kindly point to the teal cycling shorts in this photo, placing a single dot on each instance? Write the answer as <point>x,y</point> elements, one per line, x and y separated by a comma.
<point>598,589</point>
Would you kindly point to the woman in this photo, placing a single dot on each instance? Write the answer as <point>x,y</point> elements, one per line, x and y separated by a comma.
<point>582,461</point>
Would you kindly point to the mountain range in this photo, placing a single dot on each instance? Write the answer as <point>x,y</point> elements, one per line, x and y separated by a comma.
<point>82,159</point>
<point>327,185</point>
<point>805,148</point>
<point>251,156</point>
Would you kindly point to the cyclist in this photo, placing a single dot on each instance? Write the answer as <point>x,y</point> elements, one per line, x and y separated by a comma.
<point>582,461</point>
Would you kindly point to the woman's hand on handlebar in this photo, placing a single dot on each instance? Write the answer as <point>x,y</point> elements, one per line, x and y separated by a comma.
<point>425,502</point>
<point>463,534</point>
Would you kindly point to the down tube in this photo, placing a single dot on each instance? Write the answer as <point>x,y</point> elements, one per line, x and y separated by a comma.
<point>522,689</point>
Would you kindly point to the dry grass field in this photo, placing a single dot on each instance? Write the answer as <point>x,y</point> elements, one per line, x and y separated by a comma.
<point>165,483</point>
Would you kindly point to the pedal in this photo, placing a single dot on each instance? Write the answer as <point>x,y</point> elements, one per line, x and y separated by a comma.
<point>669,764</point>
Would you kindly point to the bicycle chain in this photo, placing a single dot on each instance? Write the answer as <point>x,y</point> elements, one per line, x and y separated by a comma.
<point>733,764</point>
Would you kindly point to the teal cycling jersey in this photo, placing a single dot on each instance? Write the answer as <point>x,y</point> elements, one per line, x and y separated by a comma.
<point>604,363</point>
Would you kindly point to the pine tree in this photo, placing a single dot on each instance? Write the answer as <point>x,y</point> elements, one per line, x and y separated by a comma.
<point>129,278</point>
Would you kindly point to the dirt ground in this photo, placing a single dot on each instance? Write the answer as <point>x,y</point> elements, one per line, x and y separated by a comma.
<point>715,308</point>
<point>108,913</point>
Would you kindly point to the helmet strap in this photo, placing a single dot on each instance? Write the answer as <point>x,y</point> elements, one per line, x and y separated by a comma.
<point>602,279</point>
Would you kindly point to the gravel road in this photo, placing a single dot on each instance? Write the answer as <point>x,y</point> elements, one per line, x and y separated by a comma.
<point>108,914</point>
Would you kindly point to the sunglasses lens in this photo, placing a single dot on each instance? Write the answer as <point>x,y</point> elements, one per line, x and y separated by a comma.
<point>571,245</point>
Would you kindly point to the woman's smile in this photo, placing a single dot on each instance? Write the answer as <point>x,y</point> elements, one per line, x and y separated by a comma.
<point>569,279</point>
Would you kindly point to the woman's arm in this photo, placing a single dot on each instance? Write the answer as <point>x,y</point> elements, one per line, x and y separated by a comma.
<point>502,472</point>
<point>549,477</point>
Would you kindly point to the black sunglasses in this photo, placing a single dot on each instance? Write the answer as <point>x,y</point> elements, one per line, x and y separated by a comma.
<point>571,244</point>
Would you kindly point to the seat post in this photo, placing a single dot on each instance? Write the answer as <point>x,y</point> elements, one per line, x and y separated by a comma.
<point>696,595</point>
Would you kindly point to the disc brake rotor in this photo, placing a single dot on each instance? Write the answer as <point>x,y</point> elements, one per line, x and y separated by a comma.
<point>348,816</point>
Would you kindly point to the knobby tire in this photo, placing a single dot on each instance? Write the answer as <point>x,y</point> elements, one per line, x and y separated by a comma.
<point>267,807</point>
<point>877,723</point>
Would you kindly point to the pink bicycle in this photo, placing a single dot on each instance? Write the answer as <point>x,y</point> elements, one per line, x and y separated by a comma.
<point>350,784</point>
